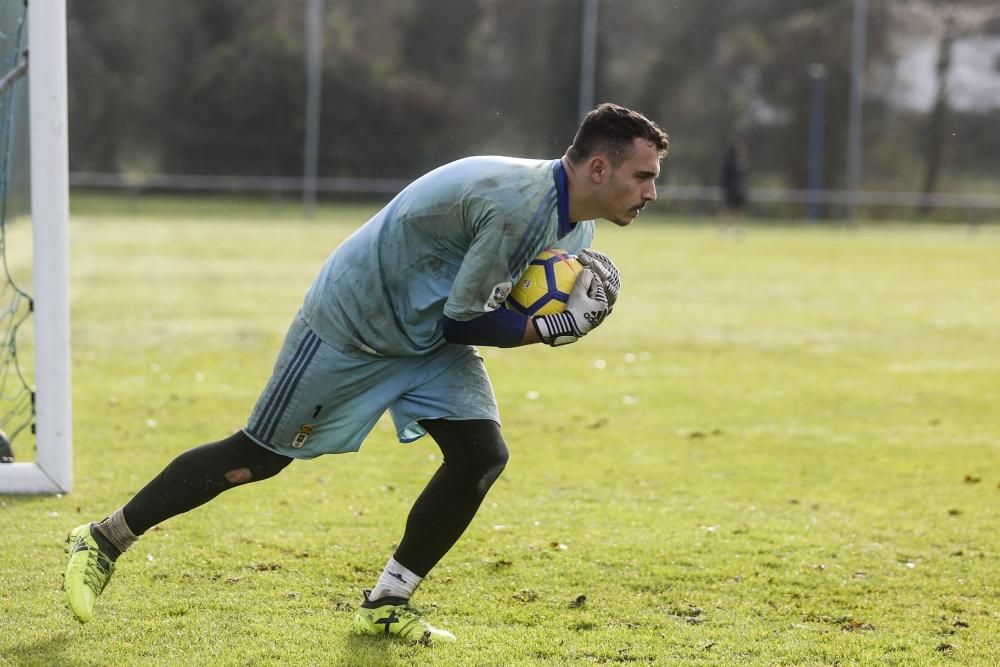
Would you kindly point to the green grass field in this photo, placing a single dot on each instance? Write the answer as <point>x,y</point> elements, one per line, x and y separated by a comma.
<point>783,450</point>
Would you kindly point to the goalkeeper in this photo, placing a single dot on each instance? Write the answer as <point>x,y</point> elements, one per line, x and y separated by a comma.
<point>389,324</point>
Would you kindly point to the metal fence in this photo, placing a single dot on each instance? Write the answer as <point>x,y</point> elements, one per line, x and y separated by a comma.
<point>971,205</point>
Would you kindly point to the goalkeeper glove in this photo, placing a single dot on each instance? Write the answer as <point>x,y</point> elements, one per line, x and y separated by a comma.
<point>606,270</point>
<point>585,309</point>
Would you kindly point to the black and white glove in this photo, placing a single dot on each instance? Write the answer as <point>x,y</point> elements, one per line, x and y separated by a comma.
<point>585,309</point>
<point>605,269</point>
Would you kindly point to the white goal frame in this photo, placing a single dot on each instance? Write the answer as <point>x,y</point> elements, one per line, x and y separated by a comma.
<point>52,471</point>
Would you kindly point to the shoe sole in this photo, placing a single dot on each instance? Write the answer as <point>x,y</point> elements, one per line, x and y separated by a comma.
<point>66,550</point>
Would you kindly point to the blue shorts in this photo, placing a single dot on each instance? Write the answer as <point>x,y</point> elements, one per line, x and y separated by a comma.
<point>320,400</point>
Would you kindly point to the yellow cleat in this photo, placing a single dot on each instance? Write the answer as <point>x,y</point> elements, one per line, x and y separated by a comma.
<point>87,573</point>
<point>396,616</point>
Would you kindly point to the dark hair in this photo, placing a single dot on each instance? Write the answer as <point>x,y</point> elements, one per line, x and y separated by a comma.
<point>611,129</point>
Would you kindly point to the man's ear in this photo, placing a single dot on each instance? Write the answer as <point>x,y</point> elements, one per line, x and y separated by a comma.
<point>598,169</point>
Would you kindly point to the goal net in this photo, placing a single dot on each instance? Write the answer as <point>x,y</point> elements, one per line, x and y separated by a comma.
<point>35,430</point>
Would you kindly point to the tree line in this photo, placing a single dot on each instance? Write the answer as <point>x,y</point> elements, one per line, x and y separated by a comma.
<point>219,88</point>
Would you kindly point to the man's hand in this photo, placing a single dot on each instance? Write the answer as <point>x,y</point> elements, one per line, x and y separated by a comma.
<point>605,269</point>
<point>585,309</point>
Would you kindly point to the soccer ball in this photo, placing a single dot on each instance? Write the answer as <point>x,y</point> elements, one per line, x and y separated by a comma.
<point>544,287</point>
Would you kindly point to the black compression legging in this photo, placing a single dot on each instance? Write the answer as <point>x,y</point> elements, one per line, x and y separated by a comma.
<point>474,456</point>
<point>197,476</point>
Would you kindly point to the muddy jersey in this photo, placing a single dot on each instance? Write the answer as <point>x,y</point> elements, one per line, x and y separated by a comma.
<point>451,244</point>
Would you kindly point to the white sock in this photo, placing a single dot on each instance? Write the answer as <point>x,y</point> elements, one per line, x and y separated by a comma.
<point>395,581</point>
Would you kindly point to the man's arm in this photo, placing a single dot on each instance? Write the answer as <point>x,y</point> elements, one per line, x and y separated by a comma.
<point>585,309</point>
<point>500,328</point>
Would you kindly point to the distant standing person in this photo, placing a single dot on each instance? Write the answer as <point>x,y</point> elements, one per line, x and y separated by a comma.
<point>733,181</point>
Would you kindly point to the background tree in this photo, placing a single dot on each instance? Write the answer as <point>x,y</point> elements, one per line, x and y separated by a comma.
<point>945,21</point>
<point>218,88</point>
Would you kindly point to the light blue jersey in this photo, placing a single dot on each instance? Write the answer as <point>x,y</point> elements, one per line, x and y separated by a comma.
<point>451,244</point>
<point>369,336</point>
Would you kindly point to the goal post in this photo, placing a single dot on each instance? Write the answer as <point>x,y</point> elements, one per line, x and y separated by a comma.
<point>52,470</point>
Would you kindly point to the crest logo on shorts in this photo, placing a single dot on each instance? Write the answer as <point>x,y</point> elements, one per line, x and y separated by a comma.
<point>301,437</point>
<point>499,295</point>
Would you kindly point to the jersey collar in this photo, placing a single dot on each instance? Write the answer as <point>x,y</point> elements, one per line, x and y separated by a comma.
<point>562,197</point>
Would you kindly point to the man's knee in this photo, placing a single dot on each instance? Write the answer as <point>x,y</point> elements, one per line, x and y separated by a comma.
<point>239,476</point>
<point>496,460</point>
<point>249,461</point>
<point>475,446</point>
<point>488,459</point>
